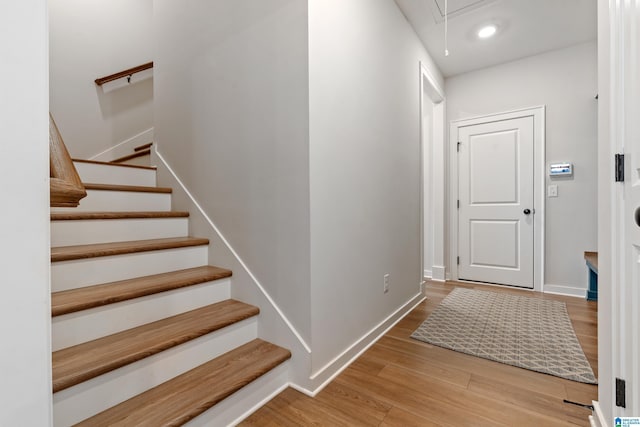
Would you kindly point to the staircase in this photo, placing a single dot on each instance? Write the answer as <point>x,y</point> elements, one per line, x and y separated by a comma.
<point>144,331</point>
<point>141,156</point>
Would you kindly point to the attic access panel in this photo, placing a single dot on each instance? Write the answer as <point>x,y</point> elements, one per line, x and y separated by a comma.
<point>454,8</point>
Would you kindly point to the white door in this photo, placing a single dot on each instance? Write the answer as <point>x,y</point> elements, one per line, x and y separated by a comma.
<point>496,208</point>
<point>631,293</point>
<point>629,304</point>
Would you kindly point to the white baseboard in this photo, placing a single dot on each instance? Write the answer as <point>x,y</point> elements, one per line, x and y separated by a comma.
<point>323,376</point>
<point>570,291</point>
<point>439,273</point>
<point>427,274</point>
<point>125,147</point>
<point>597,419</point>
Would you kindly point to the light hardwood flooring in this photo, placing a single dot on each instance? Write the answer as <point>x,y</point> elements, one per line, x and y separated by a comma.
<point>403,382</point>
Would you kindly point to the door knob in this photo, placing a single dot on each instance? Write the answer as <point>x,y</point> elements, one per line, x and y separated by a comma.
<point>527,211</point>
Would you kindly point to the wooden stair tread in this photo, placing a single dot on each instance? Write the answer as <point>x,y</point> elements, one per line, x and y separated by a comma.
<point>73,300</point>
<point>135,188</point>
<point>182,398</point>
<point>70,216</point>
<point>88,360</point>
<point>143,147</point>
<point>592,259</point>
<point>134,155</point>
<point>67,253</point>
<point>96,162</point>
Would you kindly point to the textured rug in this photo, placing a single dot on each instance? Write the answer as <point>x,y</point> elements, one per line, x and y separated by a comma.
<point>530,333</point>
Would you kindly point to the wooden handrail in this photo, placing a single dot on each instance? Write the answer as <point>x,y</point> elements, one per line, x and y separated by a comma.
<point>66,188</point>
<point>129,72</point>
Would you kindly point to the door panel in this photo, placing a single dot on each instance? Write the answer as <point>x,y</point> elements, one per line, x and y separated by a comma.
<point>495,244</point>
<point>493,158</point>
<point>496,236</point>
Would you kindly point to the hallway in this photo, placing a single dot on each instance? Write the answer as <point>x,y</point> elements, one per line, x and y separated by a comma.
<point>403,382</point>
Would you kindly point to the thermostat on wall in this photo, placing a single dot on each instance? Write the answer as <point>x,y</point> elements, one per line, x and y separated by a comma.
<point>561,169</point>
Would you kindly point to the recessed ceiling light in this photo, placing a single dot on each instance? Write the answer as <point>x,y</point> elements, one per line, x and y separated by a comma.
<point>487,31</point>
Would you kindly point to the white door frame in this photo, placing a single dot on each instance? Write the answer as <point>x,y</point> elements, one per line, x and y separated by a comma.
<point>436,204</point>
<point>538,114</point>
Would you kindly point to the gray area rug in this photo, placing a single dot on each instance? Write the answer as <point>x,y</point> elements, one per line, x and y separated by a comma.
<point>530,333</point>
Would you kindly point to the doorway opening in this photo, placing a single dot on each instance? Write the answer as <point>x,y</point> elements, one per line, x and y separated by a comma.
<point>432,183</point>
<point>496,206</point>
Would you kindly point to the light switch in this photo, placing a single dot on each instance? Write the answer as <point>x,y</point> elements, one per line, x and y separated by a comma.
<point>552,190</point>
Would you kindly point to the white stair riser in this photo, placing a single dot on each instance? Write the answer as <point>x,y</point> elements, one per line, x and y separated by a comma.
<point>117,175</point>
<point>86,232</point>
<point>93,396</point>
<point>86,325</point>
<point>93,271</point>
<point>247,398</point>
<point>138,161</point>
<point>121,201</point>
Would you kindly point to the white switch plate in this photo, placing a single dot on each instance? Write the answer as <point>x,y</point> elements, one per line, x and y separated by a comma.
<point>552,190</point>
<point>386,283</point>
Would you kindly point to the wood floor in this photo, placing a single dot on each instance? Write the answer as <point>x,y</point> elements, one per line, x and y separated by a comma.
<point>403,382</point>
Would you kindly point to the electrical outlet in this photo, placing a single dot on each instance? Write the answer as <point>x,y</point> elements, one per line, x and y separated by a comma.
<point>552,190</point>
<point>386,283</point>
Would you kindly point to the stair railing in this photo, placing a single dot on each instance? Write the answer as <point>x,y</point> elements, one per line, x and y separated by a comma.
<point>66,188</point>
<point>128,73</point>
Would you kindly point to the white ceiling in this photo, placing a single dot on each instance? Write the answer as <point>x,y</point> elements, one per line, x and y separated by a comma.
<point>525,28</point>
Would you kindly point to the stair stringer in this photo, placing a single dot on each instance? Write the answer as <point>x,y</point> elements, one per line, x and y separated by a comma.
<point>273,325</point>
<point>124,147</point>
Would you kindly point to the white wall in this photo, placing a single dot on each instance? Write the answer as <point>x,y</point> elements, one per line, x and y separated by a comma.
<point>566,82</point>
<point>25,314</point>
<point>91,39</point>
<point>231,107</point>
<point>236,86</point>
<point>364,89</point>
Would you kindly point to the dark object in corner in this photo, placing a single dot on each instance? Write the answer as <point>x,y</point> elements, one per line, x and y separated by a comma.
<point>579,404</point>
<point>621,393</point>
